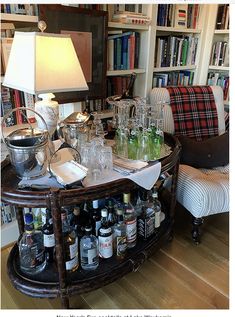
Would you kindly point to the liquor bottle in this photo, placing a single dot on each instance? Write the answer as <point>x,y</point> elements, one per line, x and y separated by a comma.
<point>111,214</point>
<point>128,92</point>
<point>70,244</point>
<point>31,248</point>
<point>48,237</point>
<point>157,208</point>
<point>75,222</point>
<point>146,221</point>
<point>89,250</point>
<point>130,221</point>
<point>96,217</point>
<point>105,236</point>
<point>119,235</point>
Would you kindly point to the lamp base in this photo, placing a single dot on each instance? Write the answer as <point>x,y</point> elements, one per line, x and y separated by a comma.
<point>49,110</point>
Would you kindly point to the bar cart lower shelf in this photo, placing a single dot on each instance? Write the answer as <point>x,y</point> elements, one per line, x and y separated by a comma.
<point>54,281</point>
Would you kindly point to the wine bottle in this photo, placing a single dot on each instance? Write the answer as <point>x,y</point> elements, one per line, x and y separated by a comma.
<point>128,92</point>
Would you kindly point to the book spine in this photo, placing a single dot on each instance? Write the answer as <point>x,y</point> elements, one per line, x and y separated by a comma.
<point>111,54</point>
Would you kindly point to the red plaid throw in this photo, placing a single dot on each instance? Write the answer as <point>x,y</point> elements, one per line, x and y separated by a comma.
<point>194,111</point>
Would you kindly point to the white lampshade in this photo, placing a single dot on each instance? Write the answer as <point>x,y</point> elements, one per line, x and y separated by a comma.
<point>43,62</point>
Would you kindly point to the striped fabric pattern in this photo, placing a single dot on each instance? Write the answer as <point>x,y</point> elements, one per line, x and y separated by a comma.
<point>203,193</point>
<point>194,111</point>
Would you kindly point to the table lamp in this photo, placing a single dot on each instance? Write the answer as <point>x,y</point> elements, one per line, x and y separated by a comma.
<point>43,64</point>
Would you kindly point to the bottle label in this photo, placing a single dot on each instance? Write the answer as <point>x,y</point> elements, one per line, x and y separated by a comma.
<point>105,230</point>
<point>97,227</point>
<point>121,245</point>
<point>131,230</point>
<point>39,257</point>
<point>73,249</point>
<point>92,255</point>
<point>49,240</point>
<point>106,246</point>
<point>71,264</point>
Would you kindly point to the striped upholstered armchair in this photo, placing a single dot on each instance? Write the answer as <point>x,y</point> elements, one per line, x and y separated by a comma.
<point>203,182</point>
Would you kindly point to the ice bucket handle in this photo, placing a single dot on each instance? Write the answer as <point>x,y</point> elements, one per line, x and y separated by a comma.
<point>21,109</point>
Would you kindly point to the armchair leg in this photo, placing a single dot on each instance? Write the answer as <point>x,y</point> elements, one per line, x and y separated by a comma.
<point>197,222</point>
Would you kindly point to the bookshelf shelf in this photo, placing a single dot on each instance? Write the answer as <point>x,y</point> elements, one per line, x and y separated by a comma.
<point>9,233</point>
<point>176,30</point>
<point>219,68</point>
<point>222,31</point>
<point>19,18</point>
<point>117,25</point>
<point>174,68</point>
<point>125,72</point>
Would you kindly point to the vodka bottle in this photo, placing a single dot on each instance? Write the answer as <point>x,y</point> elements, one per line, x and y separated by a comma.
<point>70,243</point>
<point>48,237</point>
<point>31,248</point>
<point>89,250</point>
<point>130,221</point>
<point>105,236</point>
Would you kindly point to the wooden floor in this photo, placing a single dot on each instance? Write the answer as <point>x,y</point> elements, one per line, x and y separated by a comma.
<point>179,276</point>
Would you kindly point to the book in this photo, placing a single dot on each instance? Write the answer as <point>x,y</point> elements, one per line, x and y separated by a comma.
<point>111,54</point>
<point>6,44</point>
<point>180,20</point>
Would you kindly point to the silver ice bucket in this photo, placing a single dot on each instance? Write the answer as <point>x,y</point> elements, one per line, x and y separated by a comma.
<point>28,148</point>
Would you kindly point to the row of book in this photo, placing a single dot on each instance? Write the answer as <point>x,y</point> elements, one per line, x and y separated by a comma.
<point>175,50</point>
<point>123,51</point>
<point>177,78</point>
<point>8,213</point>
<point>27,9</point>
<point>219,79</point>
<point>220,54</point>
<point>222,20</point>
<point>116,85</point>
<point>13,98</point>
<point>178,15</point>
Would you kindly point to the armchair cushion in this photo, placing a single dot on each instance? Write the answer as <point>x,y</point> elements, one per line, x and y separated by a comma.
<point>208,153</point>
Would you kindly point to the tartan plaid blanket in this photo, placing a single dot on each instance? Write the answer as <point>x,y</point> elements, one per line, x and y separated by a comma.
<point>194,111</point>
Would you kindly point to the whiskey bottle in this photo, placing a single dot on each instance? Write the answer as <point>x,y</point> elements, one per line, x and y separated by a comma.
<point>89,250</point>
<point>146,221</point>
<point>111,214</point>
<point>130,221</point>
<point>105,236</point>
<point>70,244</point>
<point>76,222</point>
<point>48,237</point>
<point>119,235</point>
<point>31,248</point>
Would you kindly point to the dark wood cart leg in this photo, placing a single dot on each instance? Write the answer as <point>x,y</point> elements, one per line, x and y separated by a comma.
<point>57,225</point>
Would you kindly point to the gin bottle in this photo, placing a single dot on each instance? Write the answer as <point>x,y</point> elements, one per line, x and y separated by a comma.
<point>31,248</point>
<point>89,250</point>
<point>70,244</point>
<point>119,235</point>
<point>130,221</point>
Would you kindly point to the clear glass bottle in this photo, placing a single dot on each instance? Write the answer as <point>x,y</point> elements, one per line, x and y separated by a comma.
<point>31,248</point>
<point>70,243</point>
<point>49,237</point>
<point>105,236</point>
<point>119,236</point>
<point>89,250</point>
<point>146,221</point>
<point>130,221</point>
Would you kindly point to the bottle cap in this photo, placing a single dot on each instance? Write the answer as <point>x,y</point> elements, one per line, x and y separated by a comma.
<point>104,212</point>
<point>88,228</point>
<point>28,218</point>
<point>95,204</point>
<point>126,197</point>
<point>119,211</point>
<point>76,211</point>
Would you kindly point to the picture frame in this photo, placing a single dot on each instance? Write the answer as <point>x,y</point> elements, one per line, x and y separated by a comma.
<point>60,18</point>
